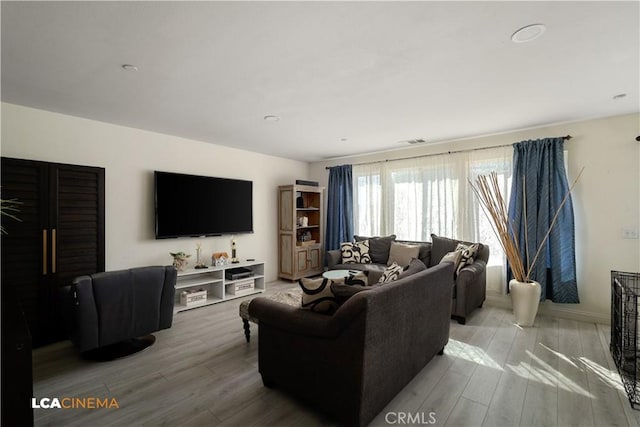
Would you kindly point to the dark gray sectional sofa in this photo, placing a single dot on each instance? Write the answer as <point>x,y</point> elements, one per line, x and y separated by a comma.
<point>352,363</point>
<point>470,288</point>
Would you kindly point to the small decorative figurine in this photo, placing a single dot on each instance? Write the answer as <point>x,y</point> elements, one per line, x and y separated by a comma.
<point>179,260</point>
<point>198,263</point>
<point>234,259</point>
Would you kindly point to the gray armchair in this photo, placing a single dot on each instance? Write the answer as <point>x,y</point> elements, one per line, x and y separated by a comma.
<point>108,311</point>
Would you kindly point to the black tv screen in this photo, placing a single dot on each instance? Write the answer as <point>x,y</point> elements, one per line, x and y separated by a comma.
<point>190,205</point>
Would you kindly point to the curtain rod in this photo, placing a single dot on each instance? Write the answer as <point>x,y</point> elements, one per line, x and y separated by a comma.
<point>567,137</point>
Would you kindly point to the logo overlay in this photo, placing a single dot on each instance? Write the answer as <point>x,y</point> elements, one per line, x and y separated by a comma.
<point>75,403</point>
<point>410,418</point>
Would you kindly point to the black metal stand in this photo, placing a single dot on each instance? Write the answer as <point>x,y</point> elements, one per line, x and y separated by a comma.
<point>119,349</point>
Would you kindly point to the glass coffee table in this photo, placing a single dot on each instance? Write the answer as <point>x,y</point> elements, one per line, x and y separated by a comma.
<point>339,274</point>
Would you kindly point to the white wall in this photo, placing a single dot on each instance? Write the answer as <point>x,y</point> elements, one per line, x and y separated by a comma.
<point>606,200</point>
<point>129,157</point>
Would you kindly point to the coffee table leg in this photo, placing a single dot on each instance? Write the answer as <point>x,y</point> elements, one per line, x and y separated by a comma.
<point>247,332</point>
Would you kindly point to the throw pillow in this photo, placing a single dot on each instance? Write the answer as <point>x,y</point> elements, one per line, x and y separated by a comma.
<point>391,273</point>
<point>357,252</point>
<point>414,267</point>
<point>317,295</point>
<point>402,254</point>
<point>378,247</point>
<point>453,257</point>
<point>467,256</point>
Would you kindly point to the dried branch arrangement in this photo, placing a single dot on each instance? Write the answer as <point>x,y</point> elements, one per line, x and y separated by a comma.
<point>493,204</point>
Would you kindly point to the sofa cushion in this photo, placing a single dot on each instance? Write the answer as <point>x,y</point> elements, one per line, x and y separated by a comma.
<point>414,267</point>
<point>443,245</point>
<point>440,247</point>
<point>378,247</point>
<point>356,253</point>
<point>402,254</point>
<point>425,253</point>
<point>391,273</point>
<point>317,295</point>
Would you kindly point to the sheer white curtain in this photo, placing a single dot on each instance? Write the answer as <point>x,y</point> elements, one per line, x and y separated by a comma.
<point>413,198</point>
<point>367,199</point>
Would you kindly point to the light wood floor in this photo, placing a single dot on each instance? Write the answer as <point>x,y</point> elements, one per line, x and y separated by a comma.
<point>202,372</point>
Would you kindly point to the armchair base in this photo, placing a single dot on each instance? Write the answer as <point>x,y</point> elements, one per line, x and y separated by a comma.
<point>119,349</point>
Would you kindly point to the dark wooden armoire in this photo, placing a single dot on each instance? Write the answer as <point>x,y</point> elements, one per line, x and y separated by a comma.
<point>60,235</point>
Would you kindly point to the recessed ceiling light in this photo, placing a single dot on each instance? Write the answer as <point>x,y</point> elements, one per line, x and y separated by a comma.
<point>129,67</point>
<point>272,118</point>
<point>343,139</point>
<point>619,96</point>
<point>528,33</point>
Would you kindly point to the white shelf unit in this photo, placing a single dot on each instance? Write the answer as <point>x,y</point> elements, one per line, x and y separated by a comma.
<point>213,280</point>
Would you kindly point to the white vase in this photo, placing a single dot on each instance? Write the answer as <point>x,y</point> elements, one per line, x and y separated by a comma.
<point>525,298</point>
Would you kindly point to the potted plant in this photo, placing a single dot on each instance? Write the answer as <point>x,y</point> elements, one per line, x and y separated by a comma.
<point>7,208</point>
<point>525,293</point>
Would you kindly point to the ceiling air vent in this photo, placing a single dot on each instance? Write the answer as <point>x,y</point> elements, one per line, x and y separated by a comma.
<point>413,141</point>
<point>416,141</point>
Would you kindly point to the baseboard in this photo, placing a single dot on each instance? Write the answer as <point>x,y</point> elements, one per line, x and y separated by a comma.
<point>550,309</point>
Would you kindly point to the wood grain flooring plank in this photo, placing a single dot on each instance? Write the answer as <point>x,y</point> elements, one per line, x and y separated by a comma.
<point>202,372</point>
<point>574,397</point>
<point>444,397</point>
<point>541,399</point>
<point>505,408</point>
<point>466,413</point>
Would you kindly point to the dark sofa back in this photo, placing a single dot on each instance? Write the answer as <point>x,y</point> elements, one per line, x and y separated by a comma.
<point>407,324</point>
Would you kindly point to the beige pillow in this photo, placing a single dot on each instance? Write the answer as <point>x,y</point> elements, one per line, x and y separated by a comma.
<point>453,257</point>
<point>402,254</point>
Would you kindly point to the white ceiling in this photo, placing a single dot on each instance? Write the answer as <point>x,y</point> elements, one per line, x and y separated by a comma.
<point>375,73</point>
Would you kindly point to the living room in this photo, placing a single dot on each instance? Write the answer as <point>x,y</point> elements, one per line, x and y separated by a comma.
<point>62,120</point>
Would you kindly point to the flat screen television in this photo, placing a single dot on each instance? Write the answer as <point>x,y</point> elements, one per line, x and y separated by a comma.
<point>191,205</point>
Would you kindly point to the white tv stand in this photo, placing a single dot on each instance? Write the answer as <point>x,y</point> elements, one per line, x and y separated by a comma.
<point>218,288</point>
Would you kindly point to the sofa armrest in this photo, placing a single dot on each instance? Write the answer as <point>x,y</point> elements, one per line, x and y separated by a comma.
<point>84,314</point>
<point>333,257</point>
<point>472,272</point>
<point>471,287</point>
<point>305,322</point>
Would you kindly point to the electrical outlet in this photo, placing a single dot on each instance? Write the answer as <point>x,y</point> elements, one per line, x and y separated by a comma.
<point>630,233</point>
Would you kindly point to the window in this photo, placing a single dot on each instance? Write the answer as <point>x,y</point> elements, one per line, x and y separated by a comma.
<point>416,197</point>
